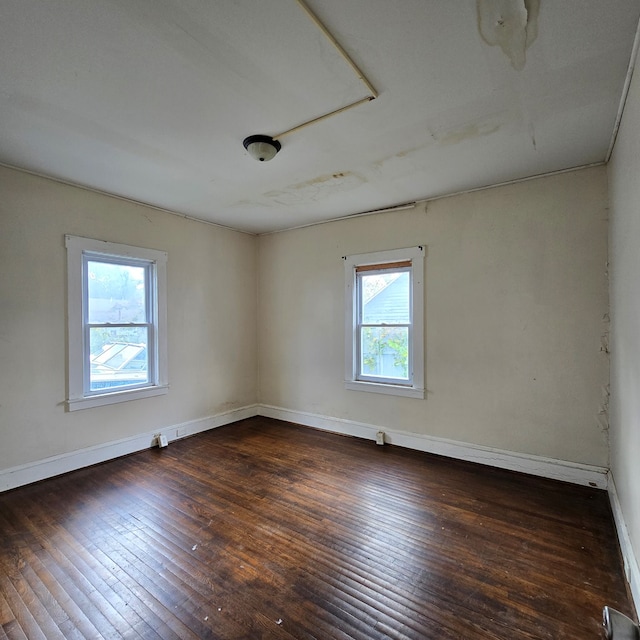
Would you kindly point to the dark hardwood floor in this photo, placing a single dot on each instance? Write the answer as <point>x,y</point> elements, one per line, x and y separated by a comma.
<point>264,529</point>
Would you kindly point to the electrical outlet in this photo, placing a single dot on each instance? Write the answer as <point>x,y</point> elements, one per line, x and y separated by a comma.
<point>181,432</point>
<point>162,440</point>
<point>380,437</point>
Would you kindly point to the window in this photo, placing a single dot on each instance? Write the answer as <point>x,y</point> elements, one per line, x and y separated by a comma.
<point>117,322</point>
<point>384,324</point>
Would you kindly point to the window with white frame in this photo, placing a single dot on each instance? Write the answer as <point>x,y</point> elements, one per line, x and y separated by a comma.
<point>117,322</point>
<point>384,322</point>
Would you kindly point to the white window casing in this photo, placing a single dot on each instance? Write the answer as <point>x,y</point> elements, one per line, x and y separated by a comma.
<point>414,386</point>
<point>79,252</point>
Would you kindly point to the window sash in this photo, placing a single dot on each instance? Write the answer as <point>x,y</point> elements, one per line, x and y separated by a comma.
<point>152,378</point>
<point>385,266</point>
<point>150,281</point>
<point>404,266</point>
<point>150,314</point>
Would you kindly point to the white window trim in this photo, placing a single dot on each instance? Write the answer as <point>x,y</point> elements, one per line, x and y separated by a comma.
<point>416,255</point>
<point>76,247</point>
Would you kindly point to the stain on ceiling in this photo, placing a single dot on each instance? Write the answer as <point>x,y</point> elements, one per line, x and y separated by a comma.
<point>151,100</point>
<point>511,24</point>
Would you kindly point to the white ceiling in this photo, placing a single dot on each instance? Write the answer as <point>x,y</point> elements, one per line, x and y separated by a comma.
<point>151,99</point>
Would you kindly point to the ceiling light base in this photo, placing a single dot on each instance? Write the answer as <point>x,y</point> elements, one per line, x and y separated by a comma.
<point>261,148</point>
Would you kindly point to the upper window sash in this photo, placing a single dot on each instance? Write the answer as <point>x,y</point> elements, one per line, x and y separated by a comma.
<point>149,267</point>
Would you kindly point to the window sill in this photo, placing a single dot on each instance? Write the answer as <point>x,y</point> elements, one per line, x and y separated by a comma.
<point>88,402</point>
<point>388,389</point>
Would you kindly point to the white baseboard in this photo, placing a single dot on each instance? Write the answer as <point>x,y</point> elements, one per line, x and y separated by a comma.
<point>55,465</point>
<point>535,465</point>
<point>582,474</point>
<point>631,570</point>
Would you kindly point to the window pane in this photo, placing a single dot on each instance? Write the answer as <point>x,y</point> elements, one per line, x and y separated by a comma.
<point>116,292</point>
<point>119,357</point>
<point>385,352</point>
<point>385,298</point>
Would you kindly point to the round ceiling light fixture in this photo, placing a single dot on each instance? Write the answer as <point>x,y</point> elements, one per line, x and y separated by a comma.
<point>261,148</point>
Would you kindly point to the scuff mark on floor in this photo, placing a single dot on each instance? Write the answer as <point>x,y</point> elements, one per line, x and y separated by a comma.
<point>510,24</point>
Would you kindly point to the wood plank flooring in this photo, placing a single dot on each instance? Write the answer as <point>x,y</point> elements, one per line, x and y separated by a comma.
<point>265,529</point>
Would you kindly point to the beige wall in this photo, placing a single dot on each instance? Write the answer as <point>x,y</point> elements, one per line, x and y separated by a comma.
<point>624,180</point>
<point>515,299</point>
<point>212,311</point>
<point>516,293</point>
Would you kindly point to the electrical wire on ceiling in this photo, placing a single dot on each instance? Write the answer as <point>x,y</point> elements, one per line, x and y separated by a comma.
<point>263,147</point>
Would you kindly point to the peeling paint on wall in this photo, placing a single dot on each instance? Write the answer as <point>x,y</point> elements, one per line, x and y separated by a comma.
<point>603,413</point>
<point>604,339</point>
<point>510,24</point>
